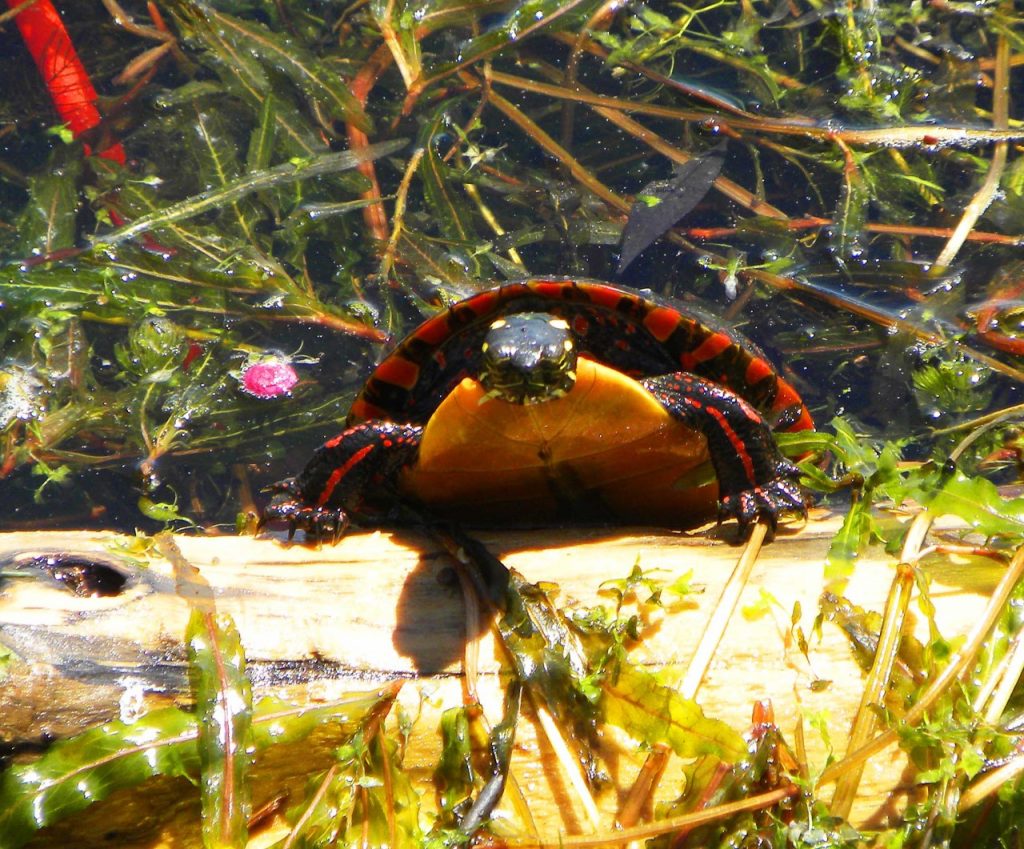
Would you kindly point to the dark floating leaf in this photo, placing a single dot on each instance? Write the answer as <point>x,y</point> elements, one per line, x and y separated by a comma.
<point>660,204</point>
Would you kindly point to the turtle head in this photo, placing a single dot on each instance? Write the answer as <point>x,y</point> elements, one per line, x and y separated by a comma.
<point>528,358</point>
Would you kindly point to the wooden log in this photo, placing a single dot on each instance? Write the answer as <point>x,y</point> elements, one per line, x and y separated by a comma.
<point>318,623</point>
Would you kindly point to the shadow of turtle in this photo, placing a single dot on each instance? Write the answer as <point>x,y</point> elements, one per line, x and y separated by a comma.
<point>434,628</point>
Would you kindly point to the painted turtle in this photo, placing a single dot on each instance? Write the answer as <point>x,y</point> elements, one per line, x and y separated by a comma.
<point>552,399</point>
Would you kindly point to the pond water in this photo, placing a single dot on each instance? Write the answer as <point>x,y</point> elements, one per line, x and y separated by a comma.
<point>197,280</point>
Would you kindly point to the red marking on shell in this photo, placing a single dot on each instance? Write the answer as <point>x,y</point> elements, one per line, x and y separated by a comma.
<point>553,289</point>
<point>661,322</point>
<point>339,473</point>
<point>398,371</point>
<point>363,411</point>
<point>484,304</point>
<point>433,331</point>
<point>711,348</point>
<point>788,397</point>
<point>607,297</point>
<point>269,379</point>
<point>758,370</point>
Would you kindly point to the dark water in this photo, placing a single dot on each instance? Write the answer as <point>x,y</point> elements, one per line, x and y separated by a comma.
<point>126,393</point>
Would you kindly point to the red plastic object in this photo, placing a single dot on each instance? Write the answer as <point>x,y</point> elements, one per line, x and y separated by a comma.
<point>63,72</point>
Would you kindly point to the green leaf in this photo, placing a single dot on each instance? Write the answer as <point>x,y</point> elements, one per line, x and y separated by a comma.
<point>446,204</point>
<point>160,511</point>
<point>233,36</point>
<point>62,132</point>
<point>87,768</point>
<point>454,775</point>
<point>527,19</point>
<point>223,696</point>
<point>383,814</point>
<point>328,809</point>
<point>544,648</point>
<point>979,503</point>
<point>845,546</point>
<point>276,722</point>
<point>852,208</point>
<point>635,701</point>
<point>794,444</point>
<point>322,816</point>
<point>399,22</point>
<point>244,76</point>
<point>48,221</point>
<point>288,172</point>
<point>218,166</point>
<point>261,142</point>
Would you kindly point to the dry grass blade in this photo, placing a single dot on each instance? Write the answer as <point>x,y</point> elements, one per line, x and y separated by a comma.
<point>659,827</point>
<point>534,131</point>
<point>984,196</point>
<point>570,765</point>
<point>877,682</point>
<point>399,214</point>
<point>958,664</point>
<point>723,611</point>
<point>898,136</point>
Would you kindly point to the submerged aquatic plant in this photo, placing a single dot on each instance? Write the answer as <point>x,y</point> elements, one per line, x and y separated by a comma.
<point>484,142</point>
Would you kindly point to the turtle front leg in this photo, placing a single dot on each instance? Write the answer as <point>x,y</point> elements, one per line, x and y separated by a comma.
<point>355,472</point>
<point>754,480</point>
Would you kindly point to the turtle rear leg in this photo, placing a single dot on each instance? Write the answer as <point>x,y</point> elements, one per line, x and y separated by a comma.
<point>754,480</point>
<point>355,472</point>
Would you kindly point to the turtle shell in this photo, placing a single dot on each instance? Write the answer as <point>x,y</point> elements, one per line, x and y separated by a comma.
<point>607,449</point>
<point>640,336</point>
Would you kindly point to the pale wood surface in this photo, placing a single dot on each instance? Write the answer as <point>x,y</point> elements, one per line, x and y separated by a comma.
<point>319,622</point>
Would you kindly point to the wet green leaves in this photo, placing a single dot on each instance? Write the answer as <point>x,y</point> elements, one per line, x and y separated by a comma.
<point>211,748</point>
<point>979,503</point>
<point>580,669</point>
<point>252,58</point>
<point>85,769</point>
<point>650,712</point>
<point>48,222</point>
<point>223,697</point>
<point>233,190</point>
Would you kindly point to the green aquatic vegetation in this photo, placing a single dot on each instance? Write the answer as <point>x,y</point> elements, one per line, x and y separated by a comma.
<point>267,223</point>
<point>223,697</point>
<point>656,714</point>
<point>82,770</point>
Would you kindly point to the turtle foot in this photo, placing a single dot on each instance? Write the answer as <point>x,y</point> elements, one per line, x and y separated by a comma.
<point>765,502</point>
<point>319,523</point>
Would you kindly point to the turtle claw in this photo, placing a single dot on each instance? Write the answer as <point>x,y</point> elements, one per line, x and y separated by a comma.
<point>318,522</point>
<point>765,502</point>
